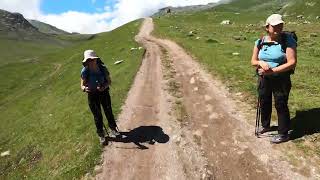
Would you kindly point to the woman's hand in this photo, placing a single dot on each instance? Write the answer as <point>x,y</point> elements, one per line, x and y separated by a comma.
<point>264,65</point>
<point>86,89</point>
<point>263,72</point>
<point>83,86</point>
<point>102,88</point>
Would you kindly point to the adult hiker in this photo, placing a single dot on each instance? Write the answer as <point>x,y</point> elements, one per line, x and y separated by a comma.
<point>95,81</point>
<point>275,57</point>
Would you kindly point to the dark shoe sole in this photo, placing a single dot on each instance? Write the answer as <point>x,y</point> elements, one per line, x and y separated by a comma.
<point>280,141</point>
<point>104,143</point>
<point>264,130</point>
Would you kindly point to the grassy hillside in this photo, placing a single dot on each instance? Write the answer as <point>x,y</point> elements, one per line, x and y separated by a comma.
<point>309,9</point>
<point>214,44</point>
<point>46,123</point>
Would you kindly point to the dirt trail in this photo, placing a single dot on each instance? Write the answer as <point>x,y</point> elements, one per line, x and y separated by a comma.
<point>144,118</point>
<point>213,141</point>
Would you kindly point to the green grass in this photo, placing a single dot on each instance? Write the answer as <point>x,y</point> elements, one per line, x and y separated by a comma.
<point>13,51</point>
<point>216,44</point>
<point>46,123</point>
<point>309,9</point>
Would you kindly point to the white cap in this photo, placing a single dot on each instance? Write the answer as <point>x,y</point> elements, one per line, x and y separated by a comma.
<point>274,20</point>
<point>89,54</point>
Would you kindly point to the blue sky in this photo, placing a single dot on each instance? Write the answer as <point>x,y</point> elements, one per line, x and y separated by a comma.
<point>60,6</point>
<point>90,16</point>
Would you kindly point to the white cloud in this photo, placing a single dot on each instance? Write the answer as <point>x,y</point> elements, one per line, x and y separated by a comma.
<point>30,8</point>
<point>128,10</point>
<point>111,17</point>
<point>107,8</point>
<point>72,21</point>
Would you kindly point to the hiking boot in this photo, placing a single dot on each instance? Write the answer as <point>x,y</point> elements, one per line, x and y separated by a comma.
<point>115,132</point>
<point>103,141</point>
<point>280,138</point>
<point>263,130</point>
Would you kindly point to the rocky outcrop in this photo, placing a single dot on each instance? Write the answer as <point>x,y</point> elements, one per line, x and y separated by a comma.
<point>15,22</point>
<point>15,26</point>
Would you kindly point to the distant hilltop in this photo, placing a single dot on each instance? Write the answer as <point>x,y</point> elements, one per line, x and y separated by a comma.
<point>15,22</point>
<point>15,26</point>
<point>46,28</point>
<point>171,9</point>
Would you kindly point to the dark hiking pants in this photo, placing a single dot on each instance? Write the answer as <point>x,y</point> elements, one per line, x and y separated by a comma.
<point>280,87</point>
<point>95,100</point>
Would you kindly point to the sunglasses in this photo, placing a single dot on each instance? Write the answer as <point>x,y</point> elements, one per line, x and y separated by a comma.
<point>89,60</point>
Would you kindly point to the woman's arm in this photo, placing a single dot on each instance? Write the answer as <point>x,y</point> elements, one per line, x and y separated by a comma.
<point>83,86</point>
<point>109,80</point>
<point>254,58</point>
<point>291,63</point>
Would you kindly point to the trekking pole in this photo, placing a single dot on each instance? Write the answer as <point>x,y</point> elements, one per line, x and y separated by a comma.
<point>105,129</point>
<point>257,118</point>
<point>258,112</point>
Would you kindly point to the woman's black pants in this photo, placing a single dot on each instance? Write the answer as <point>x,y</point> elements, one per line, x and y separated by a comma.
<point>95,100</point>
<point>280,87</point>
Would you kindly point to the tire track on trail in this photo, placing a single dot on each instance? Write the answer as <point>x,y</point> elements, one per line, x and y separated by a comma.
<point>212,141</point>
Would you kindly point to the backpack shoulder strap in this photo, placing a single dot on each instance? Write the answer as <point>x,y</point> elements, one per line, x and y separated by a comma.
<point>103,68</point>
<point>86,74</point>
<point>284,44</point>
<point>260,42</point>
<point>283,41</point>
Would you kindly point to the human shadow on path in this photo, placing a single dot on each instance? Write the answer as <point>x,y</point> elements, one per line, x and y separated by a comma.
<point>142,134</point>
<point>305,123</point>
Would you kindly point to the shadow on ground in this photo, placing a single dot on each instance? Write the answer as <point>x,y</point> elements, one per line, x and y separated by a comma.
<point>305,123</point>
<point>142,134</point>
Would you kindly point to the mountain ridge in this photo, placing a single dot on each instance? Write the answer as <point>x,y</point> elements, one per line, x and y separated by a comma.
<point>46,28</point>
